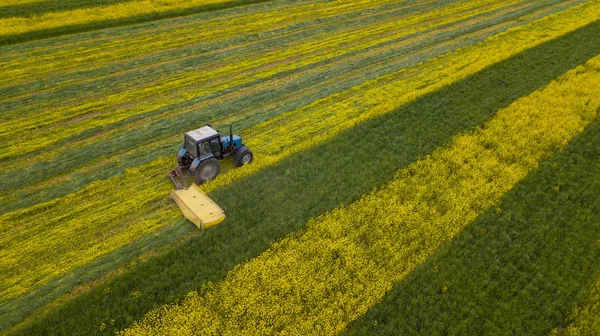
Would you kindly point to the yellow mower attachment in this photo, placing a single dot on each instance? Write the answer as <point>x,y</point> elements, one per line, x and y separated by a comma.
<point>197,207</point>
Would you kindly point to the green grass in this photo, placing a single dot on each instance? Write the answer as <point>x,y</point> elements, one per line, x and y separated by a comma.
<point>351,69</point>
<point>47,33</point>
<point>337,172</point>
<point>516,270</point>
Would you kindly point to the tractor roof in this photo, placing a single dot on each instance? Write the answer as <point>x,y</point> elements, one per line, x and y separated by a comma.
<point>202,133</point>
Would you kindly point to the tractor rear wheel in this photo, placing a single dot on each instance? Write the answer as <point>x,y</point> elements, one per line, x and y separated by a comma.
<point>206,170</point>
<point>243,156</point>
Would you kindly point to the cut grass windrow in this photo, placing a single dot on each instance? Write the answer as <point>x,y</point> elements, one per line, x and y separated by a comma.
<point>517,269</point>
<point>261,212</point>
<point>64,121</point>
<point>47,256</point>
<point>318,280</point>
<point>585,320</point>
<point>253,104</point>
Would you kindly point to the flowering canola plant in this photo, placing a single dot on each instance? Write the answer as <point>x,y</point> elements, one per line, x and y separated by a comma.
<point>318,280</point>
<point>98,221</point>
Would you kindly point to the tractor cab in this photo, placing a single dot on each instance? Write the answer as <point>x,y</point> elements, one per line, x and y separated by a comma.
<point>203,147</point>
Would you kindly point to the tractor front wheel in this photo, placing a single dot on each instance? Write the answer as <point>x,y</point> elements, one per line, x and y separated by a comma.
<point>243,156</point>
<point>206,170</point>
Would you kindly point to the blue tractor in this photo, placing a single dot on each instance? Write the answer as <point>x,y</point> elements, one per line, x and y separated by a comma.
<point>202,149</point>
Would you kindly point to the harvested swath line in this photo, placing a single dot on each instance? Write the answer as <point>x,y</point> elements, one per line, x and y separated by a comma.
<point>518,268</point>
<point>206,32</point>
<point>319,280</point>
<point>91,114</point>
<point>189,113</point>
<point>207,257</point>
<point>176,60</point>
<point>583,320</point>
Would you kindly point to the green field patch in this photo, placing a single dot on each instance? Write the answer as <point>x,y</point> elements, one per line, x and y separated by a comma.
<point>517,269</point>
<point>260,211</point>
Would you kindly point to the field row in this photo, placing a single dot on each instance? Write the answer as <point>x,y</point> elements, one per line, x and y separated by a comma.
<point>261,212</point>
<point>318,280</point>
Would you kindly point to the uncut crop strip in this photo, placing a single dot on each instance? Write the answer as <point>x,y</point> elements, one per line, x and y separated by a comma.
<point>584,320</point>
<point>194,84</point>
<point>18,2</point>
<point>122,224</point>
<point>372,63</point>
<point>15,26</point>
<point>319,280</point>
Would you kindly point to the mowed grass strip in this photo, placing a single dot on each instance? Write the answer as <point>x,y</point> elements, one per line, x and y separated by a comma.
<point>260,211</point>
<point>46,256</point>
<point>244,107</point>
<point>517,269</point>
<point>59,122</point>
<point>583,320</point>
<point>318,280</point>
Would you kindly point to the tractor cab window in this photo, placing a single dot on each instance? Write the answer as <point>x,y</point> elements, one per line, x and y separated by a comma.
<point>215,146</point>
<point>204,149</point>
<point>190,147</point>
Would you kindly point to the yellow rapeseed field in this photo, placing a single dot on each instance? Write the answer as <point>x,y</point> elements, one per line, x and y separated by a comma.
<point>318,280</point>
<point>98,225</point>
